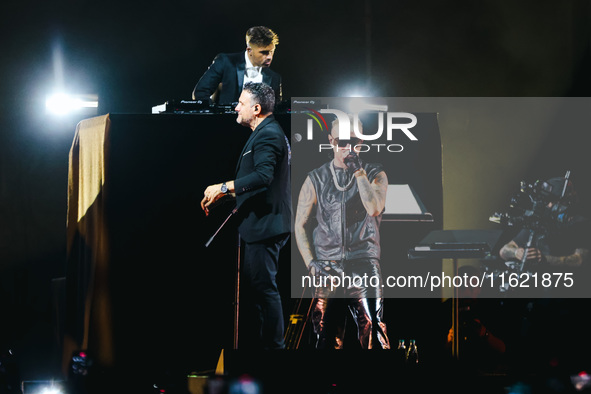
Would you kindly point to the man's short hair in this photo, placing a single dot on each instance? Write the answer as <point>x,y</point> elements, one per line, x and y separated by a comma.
<point>262,94</point>
<point>261,36</point>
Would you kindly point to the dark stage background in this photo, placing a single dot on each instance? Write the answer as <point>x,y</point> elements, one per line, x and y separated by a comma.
<point>135,55</point>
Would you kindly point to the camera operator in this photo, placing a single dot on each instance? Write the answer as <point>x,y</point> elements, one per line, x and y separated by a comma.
<point>551,238</point>
<point>557,241</point>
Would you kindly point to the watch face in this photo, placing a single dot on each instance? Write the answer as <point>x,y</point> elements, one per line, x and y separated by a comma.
<point>224,188</point>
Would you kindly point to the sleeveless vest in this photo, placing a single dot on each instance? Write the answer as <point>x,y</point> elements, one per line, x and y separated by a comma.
<point>345,231</point>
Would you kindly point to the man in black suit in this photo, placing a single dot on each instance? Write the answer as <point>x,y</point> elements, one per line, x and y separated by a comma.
<point>223,81</point>
<point>263,200</point>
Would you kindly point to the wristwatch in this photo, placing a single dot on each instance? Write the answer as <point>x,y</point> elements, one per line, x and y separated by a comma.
<point>224,188</point>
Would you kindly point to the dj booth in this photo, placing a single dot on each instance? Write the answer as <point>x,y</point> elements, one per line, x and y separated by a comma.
<point>144,292</point>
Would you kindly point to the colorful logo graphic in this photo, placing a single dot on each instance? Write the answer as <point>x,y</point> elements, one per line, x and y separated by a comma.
<point>317,117</point>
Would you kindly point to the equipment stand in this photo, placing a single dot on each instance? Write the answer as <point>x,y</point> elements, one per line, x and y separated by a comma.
<point>455,244</point>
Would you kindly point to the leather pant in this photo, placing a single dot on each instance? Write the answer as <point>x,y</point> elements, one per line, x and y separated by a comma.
<point>363,301</point>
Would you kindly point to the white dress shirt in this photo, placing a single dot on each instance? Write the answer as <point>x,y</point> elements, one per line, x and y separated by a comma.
<point>251,73</point>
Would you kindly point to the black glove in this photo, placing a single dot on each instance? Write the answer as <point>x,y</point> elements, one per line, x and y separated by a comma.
<point>325,267</point>
<point>352,162</point>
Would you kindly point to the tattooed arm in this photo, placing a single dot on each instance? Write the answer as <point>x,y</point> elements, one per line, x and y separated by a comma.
<point>305,208</point>
<point>373,195</point>
<point>512,251</point>
<point>573,260</point>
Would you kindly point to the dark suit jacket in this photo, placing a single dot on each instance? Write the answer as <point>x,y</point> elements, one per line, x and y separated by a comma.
<point>262,184</point>
<point>228,69</point>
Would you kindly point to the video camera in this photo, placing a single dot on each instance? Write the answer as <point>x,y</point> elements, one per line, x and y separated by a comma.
<point>543,206</point>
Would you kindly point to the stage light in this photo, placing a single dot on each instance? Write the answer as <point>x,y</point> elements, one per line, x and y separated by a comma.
<point>360,89</point>
<point>355,92</point>
<point>51,390</point>
<point>245,385</point>
<point>42,387</point>
<point>62,104</point>
<point>80,364</point>
<point>581,381</point>
<point>358,105</point>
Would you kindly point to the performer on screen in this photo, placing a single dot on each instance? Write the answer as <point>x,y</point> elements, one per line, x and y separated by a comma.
<point>223,81</point>
<point>263,200</point>
<point>346,198</point>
